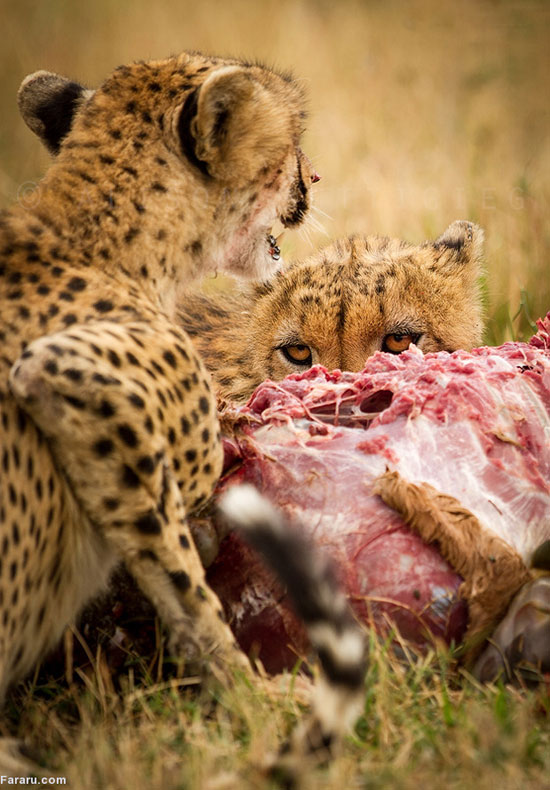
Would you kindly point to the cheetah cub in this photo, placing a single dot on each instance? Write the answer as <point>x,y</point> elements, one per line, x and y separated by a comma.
<point>109,435</point>
<point>357,296</point>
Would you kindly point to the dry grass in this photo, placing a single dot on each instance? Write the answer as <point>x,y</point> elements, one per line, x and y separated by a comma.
<point>423,724</point>
<point>421,113</point>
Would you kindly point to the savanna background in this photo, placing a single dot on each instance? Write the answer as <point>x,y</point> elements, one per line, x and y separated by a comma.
<point>421,113</point>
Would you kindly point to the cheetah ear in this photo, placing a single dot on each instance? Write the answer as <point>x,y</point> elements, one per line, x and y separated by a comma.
<point>463,241</point>
<point>231,127</point>
<point>48,103</point>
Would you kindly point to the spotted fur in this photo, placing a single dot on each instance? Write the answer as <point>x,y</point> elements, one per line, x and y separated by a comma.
<point>343,303</point>
<point>109,435</point>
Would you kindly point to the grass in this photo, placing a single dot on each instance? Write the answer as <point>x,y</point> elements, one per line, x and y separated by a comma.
<point>424,723</point>
<point>422,112</point>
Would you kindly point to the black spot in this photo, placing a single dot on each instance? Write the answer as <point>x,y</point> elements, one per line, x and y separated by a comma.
<point>146,464</point>
<point>106,408</point>
<point>156,186</point>
<point>205,436</point>
<point>110,503</point>
<point>184,542</point>
<point>190,456</point>
<point>76,403</point>
<point>84,176</point>
<point>204,405</point>
<point>128,435</point>
<point>77,284</point>
<point>149,523</point>
<point>103,447</point>
<point>182,351</point>
<point>136,400</point>
<point>129,477</point>
<point>170,358</point>
<point>51,367</point>
<point>72,374</point>
<point>185,426</point>
<point>148,425</point>
<point>131,235</point>
<point>180,580</point>
<point>114,358</point>
<point>103,306</point>
<point>15,278</point>
<point>172,436</point>
<point>69,319</point>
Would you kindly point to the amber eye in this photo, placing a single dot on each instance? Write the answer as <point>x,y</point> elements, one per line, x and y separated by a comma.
<point>396,343</point>
<point>298,354</point>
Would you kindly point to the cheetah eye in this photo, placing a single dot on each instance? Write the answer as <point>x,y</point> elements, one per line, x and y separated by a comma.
<point>297,354</point>
<point>397,342</point>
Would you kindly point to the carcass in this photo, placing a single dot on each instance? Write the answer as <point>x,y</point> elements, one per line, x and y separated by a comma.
<point>453,447</point>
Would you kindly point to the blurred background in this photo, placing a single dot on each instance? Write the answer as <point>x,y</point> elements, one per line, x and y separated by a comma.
<point>421,112</point>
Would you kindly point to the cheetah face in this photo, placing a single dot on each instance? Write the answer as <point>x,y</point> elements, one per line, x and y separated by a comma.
<point>207,148</point>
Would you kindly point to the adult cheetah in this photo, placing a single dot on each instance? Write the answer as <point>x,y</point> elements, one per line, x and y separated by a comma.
<point>109,435</point>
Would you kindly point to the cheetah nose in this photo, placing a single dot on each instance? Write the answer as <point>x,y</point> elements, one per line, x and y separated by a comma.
<point>315,177</point>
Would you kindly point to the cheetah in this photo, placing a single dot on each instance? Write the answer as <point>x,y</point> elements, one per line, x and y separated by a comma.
<point>358,295</point>
<point>109,435</point>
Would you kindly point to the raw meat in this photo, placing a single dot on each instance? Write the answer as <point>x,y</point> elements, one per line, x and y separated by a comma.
<point>473,425</point>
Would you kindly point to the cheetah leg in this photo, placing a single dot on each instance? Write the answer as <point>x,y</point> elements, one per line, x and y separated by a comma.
<point>112,432</point>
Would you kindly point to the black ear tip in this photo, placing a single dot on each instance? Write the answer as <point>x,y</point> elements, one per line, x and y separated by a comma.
<point>47,103</point>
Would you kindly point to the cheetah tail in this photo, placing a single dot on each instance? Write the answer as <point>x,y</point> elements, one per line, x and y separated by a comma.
<point>318,600</point>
